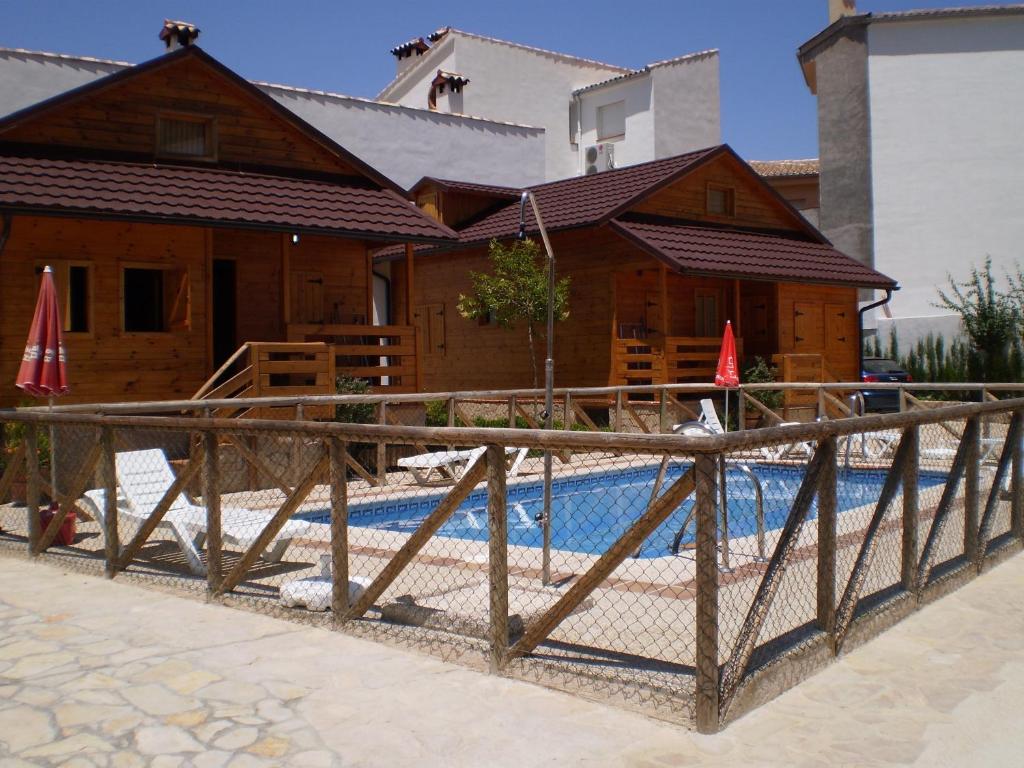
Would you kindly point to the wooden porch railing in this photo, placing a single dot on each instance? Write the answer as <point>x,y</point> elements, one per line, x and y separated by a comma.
<point>384,355</point>
<point>273,369</point>
<point>671,360</point>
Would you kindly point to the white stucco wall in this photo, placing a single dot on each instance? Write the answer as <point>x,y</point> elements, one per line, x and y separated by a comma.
<point>510,83</point>
<point>407,144</point>
<point>26,78</point>
<point>947,153</point>
<point>638,144</point>
<point>687,108</point>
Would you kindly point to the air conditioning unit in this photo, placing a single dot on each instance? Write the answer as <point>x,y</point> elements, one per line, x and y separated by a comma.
<point>599,157</point>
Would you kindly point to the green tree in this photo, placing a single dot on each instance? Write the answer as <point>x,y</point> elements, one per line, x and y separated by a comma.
<point>516,292</point>
<point>991,319</point>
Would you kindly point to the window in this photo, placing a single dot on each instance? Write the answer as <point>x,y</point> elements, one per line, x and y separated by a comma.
<point>707,315</point>
<point>155,299</point>
<point>185,136</point>
<point>721,200</point>
<point>611,121</point>
<point>73,281</point>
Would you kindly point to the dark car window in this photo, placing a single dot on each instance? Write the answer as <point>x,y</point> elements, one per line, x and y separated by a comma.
<point>878,365</point>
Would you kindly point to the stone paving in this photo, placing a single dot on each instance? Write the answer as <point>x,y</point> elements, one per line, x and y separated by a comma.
<point>98,673</point>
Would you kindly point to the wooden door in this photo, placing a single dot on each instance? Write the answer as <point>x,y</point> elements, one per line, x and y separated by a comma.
<point>430,329</point>
<point>707,320</point>
<point>307,299</point>
<point>839,330</point>
<point>808,326</point>
<point>654,314</point>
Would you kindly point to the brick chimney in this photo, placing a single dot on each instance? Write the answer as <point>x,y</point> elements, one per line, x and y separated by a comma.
<point>178,34</point>
<point>839,8</point>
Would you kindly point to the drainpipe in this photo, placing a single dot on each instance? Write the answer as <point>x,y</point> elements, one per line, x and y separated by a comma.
<point>860,328</point>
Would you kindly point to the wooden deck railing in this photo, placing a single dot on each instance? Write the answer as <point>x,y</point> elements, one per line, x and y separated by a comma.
<point>671,360</point>
<point>384,355</point>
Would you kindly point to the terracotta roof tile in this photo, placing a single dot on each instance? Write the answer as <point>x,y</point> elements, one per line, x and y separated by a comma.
<point>781,168</point>
<point>211,195</point>
<point>703,250</point>
<point>469,188</point>
<point>584,200</point>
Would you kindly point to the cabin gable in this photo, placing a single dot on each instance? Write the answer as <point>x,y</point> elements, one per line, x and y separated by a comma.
<point>125,115</point>
<point>722,191</point>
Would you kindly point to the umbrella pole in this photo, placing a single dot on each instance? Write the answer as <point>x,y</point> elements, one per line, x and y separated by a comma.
<point>53,458</point>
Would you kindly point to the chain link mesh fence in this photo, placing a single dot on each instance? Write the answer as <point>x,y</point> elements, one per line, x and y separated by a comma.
<point>618,577</point>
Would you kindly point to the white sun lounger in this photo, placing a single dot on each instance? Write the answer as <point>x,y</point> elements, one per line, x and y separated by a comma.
<point>143,478</point>
<point>709,418</point>
<point>449,466</point>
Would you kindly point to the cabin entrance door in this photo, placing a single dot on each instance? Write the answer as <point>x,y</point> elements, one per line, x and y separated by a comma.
<point>224,312</point>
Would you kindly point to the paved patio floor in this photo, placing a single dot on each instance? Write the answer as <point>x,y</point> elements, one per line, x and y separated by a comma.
<point>109,674</point>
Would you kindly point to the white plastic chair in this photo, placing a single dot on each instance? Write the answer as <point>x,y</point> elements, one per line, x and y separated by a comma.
<point>449,466</point>
<point>143,478</point>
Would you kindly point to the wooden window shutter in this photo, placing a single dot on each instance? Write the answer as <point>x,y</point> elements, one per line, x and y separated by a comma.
<point>430,331</point>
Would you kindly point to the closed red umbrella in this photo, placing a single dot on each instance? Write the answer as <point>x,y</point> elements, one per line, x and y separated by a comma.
<point>43,371</point>
<point>727,374</point>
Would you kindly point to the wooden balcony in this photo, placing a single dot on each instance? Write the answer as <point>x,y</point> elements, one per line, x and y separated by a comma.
<point>672,360</point>
<point>384,355</point>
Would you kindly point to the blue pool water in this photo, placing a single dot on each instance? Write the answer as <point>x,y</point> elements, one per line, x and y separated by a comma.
<point>590,512</point>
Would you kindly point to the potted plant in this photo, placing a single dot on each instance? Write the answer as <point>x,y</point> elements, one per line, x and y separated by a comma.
<point>761,372</point>
<point>13,437</point>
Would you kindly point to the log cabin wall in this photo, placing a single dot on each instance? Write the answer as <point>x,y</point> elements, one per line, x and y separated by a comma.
<point>105,363</point>
<point>476,356</point>
<point>328,279</point>
<point>124,117</point>
<point>820,319</point>
<point>753,206</point>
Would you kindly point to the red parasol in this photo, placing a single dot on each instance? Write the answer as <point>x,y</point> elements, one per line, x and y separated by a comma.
<point>43,371</point>
<point>727,373</point>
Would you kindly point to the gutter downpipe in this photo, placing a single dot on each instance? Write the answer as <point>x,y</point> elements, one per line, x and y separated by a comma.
<point>860,328</point>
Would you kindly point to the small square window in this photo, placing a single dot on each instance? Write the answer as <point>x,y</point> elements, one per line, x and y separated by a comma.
<point>155,299</point>
<point>73,281</point>
<point>611,121</point>
<point>721,200</point>
<point>184,137</point>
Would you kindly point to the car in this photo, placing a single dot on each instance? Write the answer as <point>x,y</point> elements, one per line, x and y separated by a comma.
<point>882,369</point>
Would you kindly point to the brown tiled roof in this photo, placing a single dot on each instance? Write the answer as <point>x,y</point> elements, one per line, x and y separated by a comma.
<point>702,250</point>
<point>586,200</point>
<point>780,168</point>
<point>212,196</point>
<point>469,188</point>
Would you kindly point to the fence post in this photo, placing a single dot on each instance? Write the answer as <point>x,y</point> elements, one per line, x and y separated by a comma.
<point>112,543</point>
<point>707,673</point>
<point>511,411</point>
<point>908,566</point>
<point>382,446</point>
<point>568,415</point>
<point>827,538</point>
<point>497,523</point>
<point>741,409</point>
<point>822,405</point>
<point>451,418</point>
<point>211,498</point>
<point>1017,492</point>
<point>618,411</point>
<point>972,486</point>
<point>32,487</point>
<point>903,399</point>
<point>339,528</point>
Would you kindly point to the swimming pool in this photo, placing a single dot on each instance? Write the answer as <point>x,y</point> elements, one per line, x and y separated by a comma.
<point>589,512</point>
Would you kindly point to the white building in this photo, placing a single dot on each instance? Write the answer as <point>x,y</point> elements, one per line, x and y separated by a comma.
<point>403,143</point>
<point>595,115</point>
<point>920,119</point>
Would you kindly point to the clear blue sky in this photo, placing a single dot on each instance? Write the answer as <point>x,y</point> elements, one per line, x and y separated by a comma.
<point>342,46</point>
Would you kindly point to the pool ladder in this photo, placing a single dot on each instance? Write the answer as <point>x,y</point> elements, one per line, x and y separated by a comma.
<point>721,503</point>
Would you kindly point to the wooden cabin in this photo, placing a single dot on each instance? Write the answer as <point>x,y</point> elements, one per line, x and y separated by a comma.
<point>195,226</point>
<point>660,255</point>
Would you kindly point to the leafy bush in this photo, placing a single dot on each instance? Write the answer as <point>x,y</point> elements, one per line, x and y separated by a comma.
<point>353,413</point>
<point>437,413</point>
<point>762,372</point>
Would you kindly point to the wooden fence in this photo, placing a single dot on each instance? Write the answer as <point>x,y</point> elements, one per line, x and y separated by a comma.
<point>728,670</point>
